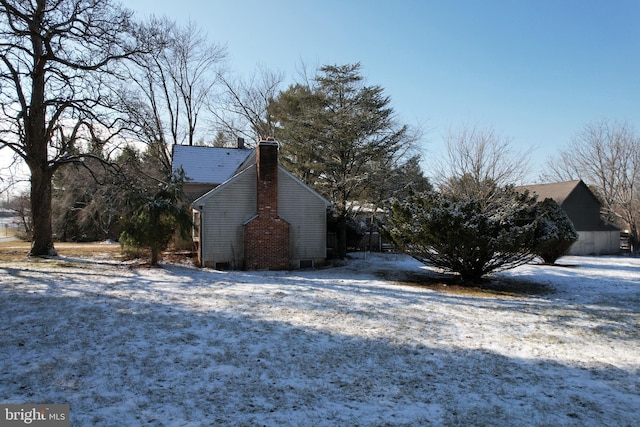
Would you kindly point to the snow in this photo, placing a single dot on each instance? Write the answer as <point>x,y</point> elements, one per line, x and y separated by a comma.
<point>350,345</point>
<point>208,165</point>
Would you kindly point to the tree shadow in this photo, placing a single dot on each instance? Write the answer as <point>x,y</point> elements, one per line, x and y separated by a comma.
<point>151,364</point>
<point>452,284</point>
<point>140,351</point>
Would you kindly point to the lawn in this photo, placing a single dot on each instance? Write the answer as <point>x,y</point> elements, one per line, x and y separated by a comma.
<point>375,341</point>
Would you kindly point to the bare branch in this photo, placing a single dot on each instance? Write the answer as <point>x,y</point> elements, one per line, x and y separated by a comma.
<point>482,155</point>
<point>606,155</point>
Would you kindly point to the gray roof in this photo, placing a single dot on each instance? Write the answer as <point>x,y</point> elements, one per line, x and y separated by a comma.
<point>557,191</point>
<point>208,165</point>
<point>584,217</point>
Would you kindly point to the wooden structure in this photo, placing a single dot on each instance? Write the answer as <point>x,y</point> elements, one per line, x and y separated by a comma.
<point>595,236</point>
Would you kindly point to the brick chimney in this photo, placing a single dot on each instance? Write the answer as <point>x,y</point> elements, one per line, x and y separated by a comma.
<point>266,235</point>
<point>267,170</point>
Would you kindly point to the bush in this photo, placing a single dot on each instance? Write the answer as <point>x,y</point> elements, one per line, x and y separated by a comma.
<point>555,232</point>
<point>471,234</point>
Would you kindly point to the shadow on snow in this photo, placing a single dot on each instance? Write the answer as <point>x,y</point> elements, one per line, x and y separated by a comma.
<point>136,352</point>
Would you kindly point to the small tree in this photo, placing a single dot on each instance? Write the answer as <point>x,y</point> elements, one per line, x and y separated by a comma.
<point>156,220</point>
<point>471,236</point>
<point>481,154</point>
<point>555,232</point>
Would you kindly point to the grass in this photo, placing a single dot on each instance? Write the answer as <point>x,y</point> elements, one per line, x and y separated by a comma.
<point>19,250</point>
<point>6,232</point>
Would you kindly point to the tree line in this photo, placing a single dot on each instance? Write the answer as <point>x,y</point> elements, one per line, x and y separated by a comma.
<point>93,99</point>
<point>82,79</point>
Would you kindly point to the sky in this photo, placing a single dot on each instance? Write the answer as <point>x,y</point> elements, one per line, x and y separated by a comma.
<point>534,71</point>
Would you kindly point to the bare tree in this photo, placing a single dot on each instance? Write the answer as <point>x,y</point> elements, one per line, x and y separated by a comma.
<point>20,204</point>
<point>606,155</point>
<point>244,110</point>
<point>173,84</point>
<point>480,155</point>
<point>195,72</point>
<point>55,56</point>
<point>11,174</point>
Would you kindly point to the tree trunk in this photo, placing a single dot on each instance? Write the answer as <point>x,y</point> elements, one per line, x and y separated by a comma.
<point>37,143</point>
<point>42,240</point>
<point>154,256</point>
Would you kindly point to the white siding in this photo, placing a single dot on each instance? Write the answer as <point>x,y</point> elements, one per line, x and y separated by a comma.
<point>222,217</point>
<point>226,208</point>
<point>596,243</point>
<point>306,214</point>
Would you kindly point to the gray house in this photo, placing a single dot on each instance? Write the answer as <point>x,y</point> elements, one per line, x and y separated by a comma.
<point>595,236</point>
<point>207,167</point>
<point>255,215</point>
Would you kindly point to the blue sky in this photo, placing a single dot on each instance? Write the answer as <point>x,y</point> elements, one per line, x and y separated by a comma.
<point>536,71</point>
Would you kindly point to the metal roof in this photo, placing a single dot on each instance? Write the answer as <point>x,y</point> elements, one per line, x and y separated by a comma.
<point>208,165</point>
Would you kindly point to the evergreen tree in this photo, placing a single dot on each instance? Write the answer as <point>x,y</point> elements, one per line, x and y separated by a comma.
<point>90,197</point>
<point>468,235</point>
<point>296,111</point>
<point>555,232</point>
<point>155,221</point>
<point>87,198</point>
<point>339,136</point>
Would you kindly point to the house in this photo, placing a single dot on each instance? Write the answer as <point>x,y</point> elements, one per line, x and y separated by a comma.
<point>258,217</point>
<point>595,236</point>
<point>207,167</point>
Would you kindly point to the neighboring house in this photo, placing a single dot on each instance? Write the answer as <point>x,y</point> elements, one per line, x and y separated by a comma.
<point>259,217</point>
<point>595,237</point>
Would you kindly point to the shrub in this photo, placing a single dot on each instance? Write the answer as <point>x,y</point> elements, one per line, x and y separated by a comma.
<point>555,233</point>
<point>471,234</point>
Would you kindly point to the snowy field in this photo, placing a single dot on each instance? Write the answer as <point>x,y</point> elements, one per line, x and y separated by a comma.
<point>341,346</point>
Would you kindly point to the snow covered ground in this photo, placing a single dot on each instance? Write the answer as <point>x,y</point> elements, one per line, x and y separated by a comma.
<point>349,345</point>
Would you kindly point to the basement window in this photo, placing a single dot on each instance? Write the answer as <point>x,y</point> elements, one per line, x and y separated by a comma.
<point>306,263</point>
<point>224,266</point>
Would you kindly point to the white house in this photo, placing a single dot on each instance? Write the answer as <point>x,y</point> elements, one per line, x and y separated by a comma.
<point>252,213</point>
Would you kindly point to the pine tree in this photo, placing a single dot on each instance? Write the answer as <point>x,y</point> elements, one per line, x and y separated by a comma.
<point>157,218</point>
<point>337,135</point>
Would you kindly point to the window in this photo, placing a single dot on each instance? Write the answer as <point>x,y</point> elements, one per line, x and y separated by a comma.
<point>306,263</point>
<point>195,232</point>
<point>222,266</point>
